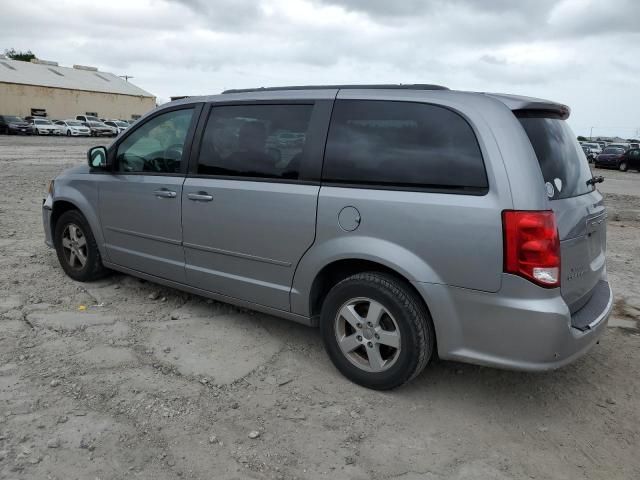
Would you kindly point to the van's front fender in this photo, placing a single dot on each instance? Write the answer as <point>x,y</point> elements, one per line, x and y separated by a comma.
<point>82,194</point>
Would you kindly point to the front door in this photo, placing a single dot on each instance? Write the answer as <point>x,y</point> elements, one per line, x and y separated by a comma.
<point>140,202</point>
<point>248,213</point>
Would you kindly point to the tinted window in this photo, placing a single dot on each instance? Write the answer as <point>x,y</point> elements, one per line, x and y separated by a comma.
<point>264,141</point>
<point>402,144</point>
<point>564,168</point>
<point>614,150</point>
<point>156,146</point>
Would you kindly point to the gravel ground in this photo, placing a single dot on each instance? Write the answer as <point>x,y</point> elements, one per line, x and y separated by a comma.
<point>123,379</point>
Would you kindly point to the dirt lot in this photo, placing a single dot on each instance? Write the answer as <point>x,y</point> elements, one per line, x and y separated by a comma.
<point>124,379</point>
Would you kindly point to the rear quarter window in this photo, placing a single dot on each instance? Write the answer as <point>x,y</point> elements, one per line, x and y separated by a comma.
<point>564,166</point>
<point>402,145</point>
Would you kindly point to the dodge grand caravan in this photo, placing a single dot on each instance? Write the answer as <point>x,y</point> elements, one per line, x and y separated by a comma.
<point>404,221</point>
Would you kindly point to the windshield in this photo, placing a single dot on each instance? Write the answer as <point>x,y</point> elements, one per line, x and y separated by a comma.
<point>11,118</point>
<point>74,123</point>
<point>614,150</point>
<point>564,167</point>
<point>121,124</point>
<point>92,119</point>
<point>43,122</point>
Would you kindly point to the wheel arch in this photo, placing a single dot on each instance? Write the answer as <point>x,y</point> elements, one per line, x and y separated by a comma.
<point>338,270</point>
<point>65,204</point>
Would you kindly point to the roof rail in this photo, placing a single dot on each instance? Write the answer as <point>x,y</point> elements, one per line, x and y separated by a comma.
<point>414,86</point>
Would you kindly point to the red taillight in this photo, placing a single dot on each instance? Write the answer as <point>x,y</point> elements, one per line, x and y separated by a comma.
<point>532,246</point>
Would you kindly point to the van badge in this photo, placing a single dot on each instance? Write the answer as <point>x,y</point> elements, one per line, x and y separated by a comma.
<point>576,273</point>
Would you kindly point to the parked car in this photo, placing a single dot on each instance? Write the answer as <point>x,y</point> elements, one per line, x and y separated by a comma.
<point>13,125</point>
<point>588,153</point>
<point>99,129</point>
<point>42,126</point>
<point>593,147</point>
<point>119,125</point>
<point>73,128</point>
<point>619,145</point>
<point>87,118</point>
<point>397,227</point>
<point>618,157</point>
<point>60,128</point>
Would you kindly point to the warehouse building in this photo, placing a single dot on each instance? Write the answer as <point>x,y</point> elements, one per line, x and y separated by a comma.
<point>40,88</point>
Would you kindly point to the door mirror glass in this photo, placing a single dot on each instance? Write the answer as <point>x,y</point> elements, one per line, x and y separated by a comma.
<point>97,157</point>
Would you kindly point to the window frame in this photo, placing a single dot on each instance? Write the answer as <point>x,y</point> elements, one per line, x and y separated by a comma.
<point>446,189</point>
<point>112,151</point>
<point>313,153</point>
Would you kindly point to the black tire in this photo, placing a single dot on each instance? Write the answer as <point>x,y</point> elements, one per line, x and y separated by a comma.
<point>623,166</point>
<point>92,268</point>
<point>417,337</point>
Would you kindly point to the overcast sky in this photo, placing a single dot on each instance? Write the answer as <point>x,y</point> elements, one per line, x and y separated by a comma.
<point>579,52</point>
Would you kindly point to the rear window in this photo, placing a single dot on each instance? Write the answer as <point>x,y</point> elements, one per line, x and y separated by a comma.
<point>614,150</point>
<point>564,167</point>
<point>402,144</point>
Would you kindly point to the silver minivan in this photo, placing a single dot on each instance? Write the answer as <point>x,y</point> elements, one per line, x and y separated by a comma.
<point>405,221</point>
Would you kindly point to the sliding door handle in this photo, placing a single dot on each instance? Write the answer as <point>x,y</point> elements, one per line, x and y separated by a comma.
<point>164,193</point>
<point>200,197</point>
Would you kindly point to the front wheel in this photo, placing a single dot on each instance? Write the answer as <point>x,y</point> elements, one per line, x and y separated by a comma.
<point>376,330</point>
<point>76,248</point>
<point>623,167</point>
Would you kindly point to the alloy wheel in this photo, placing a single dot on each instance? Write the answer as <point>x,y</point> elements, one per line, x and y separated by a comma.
<point>74,246</point>
<point>367,334</point>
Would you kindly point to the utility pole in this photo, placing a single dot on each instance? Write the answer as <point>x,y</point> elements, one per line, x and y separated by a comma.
<point>126,77</point>
<point>591,134</point>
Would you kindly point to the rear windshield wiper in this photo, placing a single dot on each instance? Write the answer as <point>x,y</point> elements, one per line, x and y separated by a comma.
<point>596,179</point>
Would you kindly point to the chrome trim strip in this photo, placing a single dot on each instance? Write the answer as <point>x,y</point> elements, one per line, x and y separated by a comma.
<point>607,310</point>
<point>245,256</point>
<point>144,235</point>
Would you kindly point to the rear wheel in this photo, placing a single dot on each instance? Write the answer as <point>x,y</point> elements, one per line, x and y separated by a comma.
<point>376,330</point>
<point>622,166</point>
<point>76,247</point>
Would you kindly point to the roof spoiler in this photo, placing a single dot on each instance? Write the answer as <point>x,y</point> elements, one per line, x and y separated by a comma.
<point>534,106</point>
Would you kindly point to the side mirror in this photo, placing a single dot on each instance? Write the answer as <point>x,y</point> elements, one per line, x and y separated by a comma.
<point>97,157</point>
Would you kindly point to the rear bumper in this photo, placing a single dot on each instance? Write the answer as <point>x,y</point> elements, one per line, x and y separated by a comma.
<point>522,327</point>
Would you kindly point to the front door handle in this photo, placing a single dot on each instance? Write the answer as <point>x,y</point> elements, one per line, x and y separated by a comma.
<point>200,197</point>
<point>164,193</point>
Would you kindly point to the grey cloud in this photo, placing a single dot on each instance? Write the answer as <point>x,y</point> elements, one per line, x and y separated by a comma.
<point>390,8</point>
<point>540,48</point>
<point>225,14</point>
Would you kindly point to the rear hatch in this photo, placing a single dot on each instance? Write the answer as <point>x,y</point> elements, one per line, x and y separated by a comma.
<point>578,206</point>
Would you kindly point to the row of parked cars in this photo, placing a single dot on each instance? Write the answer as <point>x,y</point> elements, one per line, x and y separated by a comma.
<point>82,125</point>
<point>623,156</point>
